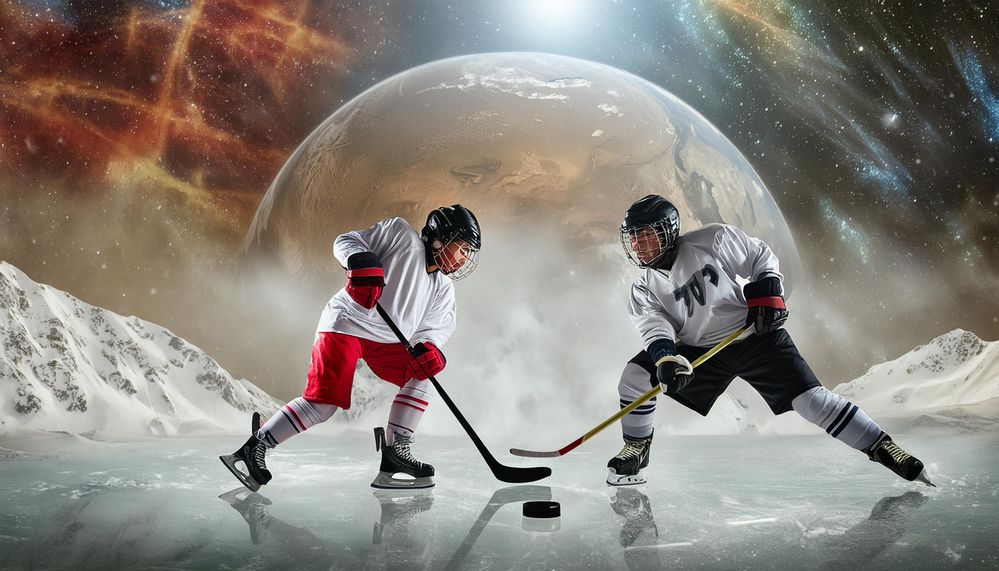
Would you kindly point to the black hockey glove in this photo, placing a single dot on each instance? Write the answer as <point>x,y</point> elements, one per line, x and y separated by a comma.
<point>674,373</point>
<point>765,298</point>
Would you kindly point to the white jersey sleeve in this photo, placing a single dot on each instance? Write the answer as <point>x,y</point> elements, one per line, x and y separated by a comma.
<point>745,255</point>
<point>357,241</point>
<point>648,314</point>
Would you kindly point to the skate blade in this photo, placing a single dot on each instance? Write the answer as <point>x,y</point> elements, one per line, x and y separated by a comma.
<point>229,461</point>
<point>922,478</point>
<point>386,481</point>
<point>626,479</point>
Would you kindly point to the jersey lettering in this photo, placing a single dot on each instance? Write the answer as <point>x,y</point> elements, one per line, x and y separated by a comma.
<point>693,290</point>
<point>711,273</point>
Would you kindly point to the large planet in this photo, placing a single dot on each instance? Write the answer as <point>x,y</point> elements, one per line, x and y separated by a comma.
<point>526,140</point>
<point>549,152</point>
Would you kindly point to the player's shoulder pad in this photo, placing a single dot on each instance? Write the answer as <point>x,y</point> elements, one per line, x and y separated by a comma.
<point>721,232</point>
<point>644,281</point>
<point>711,230</point>
<point>705,237</point>
<point>398,222</point>
<point>402,227</point>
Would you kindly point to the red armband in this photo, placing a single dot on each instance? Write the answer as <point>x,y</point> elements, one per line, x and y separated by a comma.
<point>769,301</point>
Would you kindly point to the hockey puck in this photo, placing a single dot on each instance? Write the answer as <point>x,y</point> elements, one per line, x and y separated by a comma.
<point>542,509</point>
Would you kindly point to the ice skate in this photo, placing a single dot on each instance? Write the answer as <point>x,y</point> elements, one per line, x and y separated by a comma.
<point>251,454</point>
<point>637,511</point>
<point>251,506</point>
<point>398,459</point>
<point>628,467</point>
<point>888,454</point>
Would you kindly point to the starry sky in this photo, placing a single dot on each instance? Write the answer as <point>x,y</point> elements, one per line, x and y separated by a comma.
<point>874,125</point>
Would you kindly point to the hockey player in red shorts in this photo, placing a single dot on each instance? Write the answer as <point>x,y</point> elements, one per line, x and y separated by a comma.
<point>687,299</point>
<point>411,276</point>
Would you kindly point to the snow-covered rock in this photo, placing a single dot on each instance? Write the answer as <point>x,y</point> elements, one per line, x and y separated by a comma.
<point>952,382</point>
<point>954,369</point>
<point>69,366</point>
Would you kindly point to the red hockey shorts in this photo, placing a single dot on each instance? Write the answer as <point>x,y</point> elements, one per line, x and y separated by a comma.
<point>334,360</point>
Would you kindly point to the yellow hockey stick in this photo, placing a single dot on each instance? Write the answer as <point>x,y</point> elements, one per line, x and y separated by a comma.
<point>651,393</point>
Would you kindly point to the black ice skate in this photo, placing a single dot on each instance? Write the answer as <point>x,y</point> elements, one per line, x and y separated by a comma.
<point>251,454</point>
<point>637,511</point>
<point>398,459</point>
<point>628,467</point>
<point>889,455</point>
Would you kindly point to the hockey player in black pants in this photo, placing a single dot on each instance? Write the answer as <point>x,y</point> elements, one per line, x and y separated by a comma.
<point>686,301</point>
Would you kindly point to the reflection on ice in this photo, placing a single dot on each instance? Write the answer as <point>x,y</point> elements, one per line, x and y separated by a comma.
<point>634,506</point>
<point>500,498</point>
<point>395,546</point>
<point>282,544</point>
<point>152,504</point>
<point>867,539</point>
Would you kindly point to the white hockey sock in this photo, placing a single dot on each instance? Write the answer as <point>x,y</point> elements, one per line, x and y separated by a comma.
<point>839,417</point>
<point>407,409</point>
<point>294,417</point>
<point>634,383</point>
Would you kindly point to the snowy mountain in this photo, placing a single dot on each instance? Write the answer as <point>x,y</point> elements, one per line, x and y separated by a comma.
<point>69,366</point>
<point>952,380</point>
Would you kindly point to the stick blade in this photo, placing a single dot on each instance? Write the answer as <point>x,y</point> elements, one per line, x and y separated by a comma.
<point>513,475</point>
<point>534,453</point>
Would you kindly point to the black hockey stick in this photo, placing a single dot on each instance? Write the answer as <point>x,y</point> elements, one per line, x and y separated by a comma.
<point>503,473</point>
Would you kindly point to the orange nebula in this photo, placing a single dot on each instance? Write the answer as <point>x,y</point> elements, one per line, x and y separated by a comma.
<point>206,101</point>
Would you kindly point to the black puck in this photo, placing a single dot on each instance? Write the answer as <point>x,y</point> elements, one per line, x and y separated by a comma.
<point>542,509</point>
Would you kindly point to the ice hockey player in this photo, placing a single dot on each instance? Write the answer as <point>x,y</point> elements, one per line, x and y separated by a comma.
<point>686,301</point>
<point>410,275</point>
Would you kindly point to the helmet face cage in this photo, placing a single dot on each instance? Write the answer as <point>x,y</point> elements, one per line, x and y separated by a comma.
<point>456,267</point>
<point>646,248</point>
<point>453,240</point>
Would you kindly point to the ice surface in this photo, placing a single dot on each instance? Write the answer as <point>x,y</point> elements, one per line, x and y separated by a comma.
<point>713,502</point>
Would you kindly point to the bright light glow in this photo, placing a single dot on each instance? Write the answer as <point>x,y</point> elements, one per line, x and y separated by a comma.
<point>889,120</point>
<point>554,11</point>
<point>552,17</point>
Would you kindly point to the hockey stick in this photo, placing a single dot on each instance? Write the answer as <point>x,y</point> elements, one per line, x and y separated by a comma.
<point>651,393</point>
<point>510,474</point>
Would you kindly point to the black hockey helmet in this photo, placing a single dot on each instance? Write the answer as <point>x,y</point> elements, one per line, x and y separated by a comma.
<point>446,225</point>
<point>650,232</point>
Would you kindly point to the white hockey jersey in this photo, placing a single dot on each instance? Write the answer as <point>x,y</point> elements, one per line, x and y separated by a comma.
<point>421,304</point>
<point>698,301</point>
